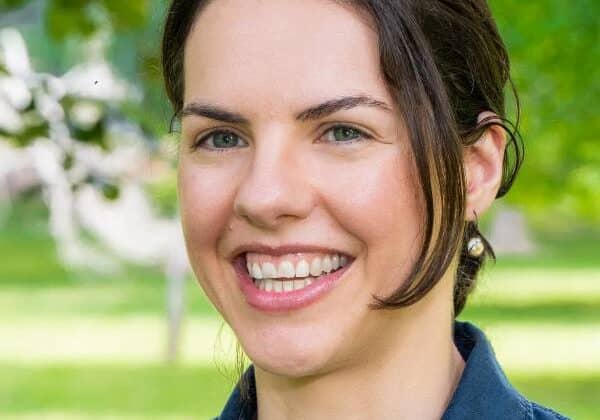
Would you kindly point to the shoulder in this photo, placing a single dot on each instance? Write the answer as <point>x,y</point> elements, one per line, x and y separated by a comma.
<point>484,391</point>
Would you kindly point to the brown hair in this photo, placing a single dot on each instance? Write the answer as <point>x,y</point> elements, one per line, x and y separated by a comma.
<point>444,63</point>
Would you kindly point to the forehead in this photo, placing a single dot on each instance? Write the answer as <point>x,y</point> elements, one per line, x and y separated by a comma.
<point>280,53</point>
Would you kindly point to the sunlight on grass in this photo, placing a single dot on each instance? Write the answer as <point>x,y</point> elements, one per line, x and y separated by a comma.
<point>533,347</point>
<point>130,295</point>
<point>573,394</point>
<point>522,286</point>
<point>546,348</point>
<point>109,339</point>
<point>109,390</point>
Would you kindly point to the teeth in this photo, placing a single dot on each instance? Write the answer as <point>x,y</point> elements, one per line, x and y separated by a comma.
<point>280,286</point>
<point>335,262</point>
<point>286,270</point>
<point>343,260</point>
<point>302,269</point>
<point>256,273</point>
<point>269,271</point>
<point>326,264</point>
<point>315,267</point>
<point>268,285</point>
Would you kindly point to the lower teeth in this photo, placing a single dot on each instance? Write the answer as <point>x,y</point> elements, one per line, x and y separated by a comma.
<point>276,285</point>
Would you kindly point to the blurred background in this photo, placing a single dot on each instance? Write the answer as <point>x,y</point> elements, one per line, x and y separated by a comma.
<point>99,315</point>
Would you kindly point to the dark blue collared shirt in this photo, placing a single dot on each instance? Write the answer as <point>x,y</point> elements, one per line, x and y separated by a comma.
<point>483,391</point>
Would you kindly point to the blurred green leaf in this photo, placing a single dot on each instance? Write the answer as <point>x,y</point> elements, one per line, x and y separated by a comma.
<point>555,51</point>
<point>126,14</point>
<point>64,18</point>
<point>110,191</point>
<point>9,4</point>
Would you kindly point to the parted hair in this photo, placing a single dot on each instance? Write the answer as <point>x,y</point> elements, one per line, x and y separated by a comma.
<point>444,63</point>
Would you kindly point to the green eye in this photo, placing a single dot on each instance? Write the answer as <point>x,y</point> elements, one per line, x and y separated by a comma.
<point>223,139</point>
<point>219,140</point>
<point>344,134</point>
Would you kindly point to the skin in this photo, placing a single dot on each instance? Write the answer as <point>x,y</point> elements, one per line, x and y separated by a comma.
<point>283,181</point>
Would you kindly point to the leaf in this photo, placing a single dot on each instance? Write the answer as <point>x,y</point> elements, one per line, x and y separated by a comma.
<point>12,4</point>
<point>126,15</point>
<point>63,21</point>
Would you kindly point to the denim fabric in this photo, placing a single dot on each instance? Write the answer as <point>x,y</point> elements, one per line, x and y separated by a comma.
<point>483,391</point>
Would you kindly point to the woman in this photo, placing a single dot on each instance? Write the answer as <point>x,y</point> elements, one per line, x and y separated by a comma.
<point>334,158</point>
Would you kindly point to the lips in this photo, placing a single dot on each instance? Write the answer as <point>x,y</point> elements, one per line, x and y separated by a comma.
<point>279,300</point>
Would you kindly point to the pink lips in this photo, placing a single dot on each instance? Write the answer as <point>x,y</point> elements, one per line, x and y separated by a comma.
<point>284,301</point>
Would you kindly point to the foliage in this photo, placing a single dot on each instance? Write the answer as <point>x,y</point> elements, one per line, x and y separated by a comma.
<point>65,18</point>
<point>554,51</point>
<point>8,4</point>
<point>164,194</point>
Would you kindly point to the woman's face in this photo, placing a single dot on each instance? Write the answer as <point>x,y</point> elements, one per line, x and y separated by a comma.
<point>257,169</point>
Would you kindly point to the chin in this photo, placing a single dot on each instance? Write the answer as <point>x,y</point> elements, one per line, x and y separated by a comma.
<point>294,368</point>
<point>292,359</point>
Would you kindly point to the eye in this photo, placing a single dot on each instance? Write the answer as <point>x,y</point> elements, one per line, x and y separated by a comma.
<point>345,134</point>
<point>218,141</point>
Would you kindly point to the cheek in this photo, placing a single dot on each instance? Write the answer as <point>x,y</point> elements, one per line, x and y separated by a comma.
<point>375,199</point>
<point>379,205</point>
<point>205,199</point>
<point>202,200</point>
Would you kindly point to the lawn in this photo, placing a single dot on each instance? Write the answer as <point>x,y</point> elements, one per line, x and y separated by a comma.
<point>82,346</point>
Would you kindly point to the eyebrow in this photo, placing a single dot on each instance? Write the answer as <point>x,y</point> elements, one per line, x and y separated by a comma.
<point>334,105</point>
<point>321,110</point>
<point>213,112</point>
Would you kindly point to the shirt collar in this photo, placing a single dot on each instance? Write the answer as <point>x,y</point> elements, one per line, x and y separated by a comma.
<point>482,392</point>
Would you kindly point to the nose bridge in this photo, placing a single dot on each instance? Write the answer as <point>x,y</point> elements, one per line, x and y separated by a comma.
<point>274,185</point>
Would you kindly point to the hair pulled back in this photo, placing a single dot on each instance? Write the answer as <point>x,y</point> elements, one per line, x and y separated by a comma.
<point>444,63</point>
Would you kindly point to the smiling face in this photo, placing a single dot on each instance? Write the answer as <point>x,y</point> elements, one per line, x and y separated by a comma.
<point>262,163</point>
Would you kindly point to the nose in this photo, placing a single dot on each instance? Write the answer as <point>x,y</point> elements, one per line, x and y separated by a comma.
<point>275,189</point>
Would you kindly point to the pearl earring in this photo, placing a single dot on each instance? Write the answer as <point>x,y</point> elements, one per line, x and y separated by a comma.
<point>475,247</point>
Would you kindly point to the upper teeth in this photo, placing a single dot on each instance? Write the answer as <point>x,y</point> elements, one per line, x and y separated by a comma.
<point>286,268</point>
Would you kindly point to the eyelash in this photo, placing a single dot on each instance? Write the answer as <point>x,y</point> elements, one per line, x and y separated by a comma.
<point>198,143</point>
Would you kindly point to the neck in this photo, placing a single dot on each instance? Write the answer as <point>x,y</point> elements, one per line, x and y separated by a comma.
<point>410,374</point>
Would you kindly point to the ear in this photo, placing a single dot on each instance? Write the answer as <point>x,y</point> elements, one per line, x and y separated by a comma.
<point>483,162</point>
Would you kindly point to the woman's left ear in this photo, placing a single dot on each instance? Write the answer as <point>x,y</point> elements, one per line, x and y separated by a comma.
<point>483,162</point>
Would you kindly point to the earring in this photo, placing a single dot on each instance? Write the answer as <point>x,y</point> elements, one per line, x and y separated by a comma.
<point>475,247</point>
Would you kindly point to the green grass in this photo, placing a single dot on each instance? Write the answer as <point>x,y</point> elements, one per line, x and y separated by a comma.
<point>80,345</point>
<point>199,392</point>
<point>570,313</point>
<point>574,395</point>
<point>559,250</point>
<point>154,390</point>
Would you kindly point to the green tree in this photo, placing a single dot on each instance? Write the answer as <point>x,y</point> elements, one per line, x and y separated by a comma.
<point>554,48</point>
<point>555,51</point>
